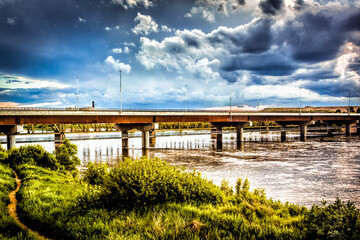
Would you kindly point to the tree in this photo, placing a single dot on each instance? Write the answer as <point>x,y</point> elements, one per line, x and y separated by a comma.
<point>66,155</point>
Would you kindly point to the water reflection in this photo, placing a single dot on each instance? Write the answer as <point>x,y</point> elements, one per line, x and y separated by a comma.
<point>299,172</point>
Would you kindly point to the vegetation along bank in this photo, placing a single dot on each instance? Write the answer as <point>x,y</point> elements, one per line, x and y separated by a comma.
<point>149,199</point>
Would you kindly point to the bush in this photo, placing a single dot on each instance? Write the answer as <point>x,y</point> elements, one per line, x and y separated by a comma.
<point>3,154</point>
<point>146,182</point>
<point>32,154</point>
<point>66,155</point>
<point>334,221</point>
<point>96,173</point>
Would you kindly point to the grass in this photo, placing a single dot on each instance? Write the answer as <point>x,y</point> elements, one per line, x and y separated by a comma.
<point>9,229</point>
<point>149,199</point>
<point>53,203</point>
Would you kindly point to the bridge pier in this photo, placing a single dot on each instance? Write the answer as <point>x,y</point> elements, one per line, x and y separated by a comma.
<point>218,131</point>
<point>125,139</point>
<point>340,122</point>
<point>10,131</point>
<point>303,128</point>
<point>143,127</point>
<point>358,127</point>
<point>152,138</point>
<point>347,129</point>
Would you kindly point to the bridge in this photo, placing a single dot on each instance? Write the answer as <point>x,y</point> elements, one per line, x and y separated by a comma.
<point>12,119</point>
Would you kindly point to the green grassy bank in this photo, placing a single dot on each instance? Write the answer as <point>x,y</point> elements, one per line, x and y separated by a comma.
<point>8,227</point>
<point>149,199</point>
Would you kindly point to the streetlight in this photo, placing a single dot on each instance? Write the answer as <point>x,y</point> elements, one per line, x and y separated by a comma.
<point>349,103</point>
<point>77,93</point>
<point>185,97</point>
<point>120,92</point>
<point>257,100</point>
<point>300,101</point>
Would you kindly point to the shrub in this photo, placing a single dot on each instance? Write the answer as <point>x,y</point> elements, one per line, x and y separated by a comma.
<point>32,154</point>
<point>96,173</point>
<point>3,154</point>
<point>334,221</point>
<point>152,181</point>
<point>66,155</point>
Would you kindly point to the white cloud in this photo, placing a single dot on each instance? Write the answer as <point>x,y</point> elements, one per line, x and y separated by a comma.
<point>11,21</point>
<point>117,65</point>
<point>134,3</point>
<point>208,9</point>
<point>82,20</point>
<point>165,28</point>
<point>19,82</point>
<point>108,29</point>
<point>145,26</point>
<point>126,50</point>
<point>117,50</point>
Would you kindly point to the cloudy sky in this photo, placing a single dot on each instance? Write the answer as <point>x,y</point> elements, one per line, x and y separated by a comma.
<point>174,53</point>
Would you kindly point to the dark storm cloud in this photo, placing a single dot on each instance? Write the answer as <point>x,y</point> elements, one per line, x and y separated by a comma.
<point>51,32</point>
<point>270,64</point>
<point>32,96</point>
<point>300,5</point>
<point>271,7</point>
<point>316,37</point>
<point>256,39</point>
<point>334,88</point>
<point>355,65</point>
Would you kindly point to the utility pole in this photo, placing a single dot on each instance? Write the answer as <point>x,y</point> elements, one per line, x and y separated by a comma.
<point>77,93</point>
<point>120,92</point>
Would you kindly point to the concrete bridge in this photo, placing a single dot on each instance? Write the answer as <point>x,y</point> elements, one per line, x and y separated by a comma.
<point>12,119</point>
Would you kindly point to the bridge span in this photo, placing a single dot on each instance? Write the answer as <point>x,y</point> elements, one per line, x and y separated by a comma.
<point>12,119</point>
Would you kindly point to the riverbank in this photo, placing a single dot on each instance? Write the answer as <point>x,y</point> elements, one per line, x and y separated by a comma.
<point>149,199</point>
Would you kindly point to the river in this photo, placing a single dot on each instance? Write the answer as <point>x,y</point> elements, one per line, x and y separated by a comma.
<point>299,172</point>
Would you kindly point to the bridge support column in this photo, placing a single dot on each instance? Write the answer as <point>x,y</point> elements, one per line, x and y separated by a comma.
<point>283,135</point>
<point>303,130</point>
<point>219,137</point>
<point>145,139</point>
<point>347,129</point>
<point>358,127</point>
<point>239,134</point>
<point>125,139</point>
<point>59,137</point>
<point>152,138</point>
<point>240,131</point>
<point>10,131</point>
<point>143,127</point>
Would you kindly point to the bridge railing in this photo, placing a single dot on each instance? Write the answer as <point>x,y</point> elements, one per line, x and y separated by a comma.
<point>117,110</point>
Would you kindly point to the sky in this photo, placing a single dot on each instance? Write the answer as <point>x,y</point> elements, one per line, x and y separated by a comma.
<point>179,54</point>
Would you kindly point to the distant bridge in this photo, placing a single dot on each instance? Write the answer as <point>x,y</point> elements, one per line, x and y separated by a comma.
<point>11,120</point>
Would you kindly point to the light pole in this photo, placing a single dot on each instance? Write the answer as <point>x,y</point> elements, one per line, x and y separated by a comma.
<point>300,101</point>
<point>77,93</point>
<point>349,103</point>
<point>309,104</point>
<point>185,97</point>
<point>120,92</point>
<point>257,101</point>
